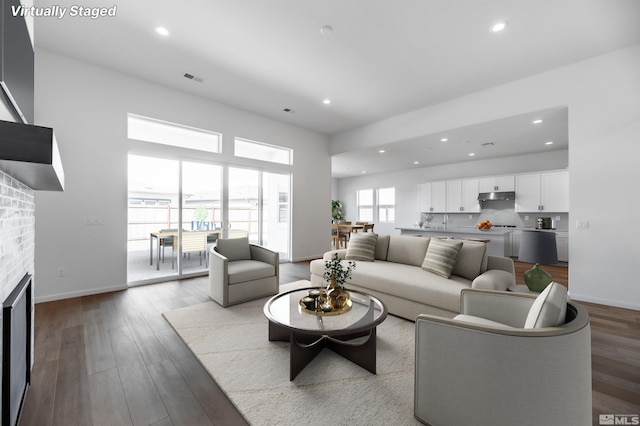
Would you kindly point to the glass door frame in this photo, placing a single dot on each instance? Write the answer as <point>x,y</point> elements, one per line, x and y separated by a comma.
<point>224,206</point>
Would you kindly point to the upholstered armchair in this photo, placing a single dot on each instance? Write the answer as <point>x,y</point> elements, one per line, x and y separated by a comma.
<point>507,359</point>
<point>239,271</point>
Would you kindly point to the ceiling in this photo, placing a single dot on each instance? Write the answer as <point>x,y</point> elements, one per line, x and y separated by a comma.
<point>382,58</point>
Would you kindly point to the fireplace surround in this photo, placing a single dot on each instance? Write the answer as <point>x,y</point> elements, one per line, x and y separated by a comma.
<point>16,350</point>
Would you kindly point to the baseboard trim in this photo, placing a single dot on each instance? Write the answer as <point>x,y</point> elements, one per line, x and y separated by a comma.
<point>72,294</point>
<point>606,302</point>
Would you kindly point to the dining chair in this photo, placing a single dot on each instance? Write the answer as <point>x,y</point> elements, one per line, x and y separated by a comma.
<point>191,241</point>
<point>339,234</point>
<point>367,227</point>
<point>167,241</point>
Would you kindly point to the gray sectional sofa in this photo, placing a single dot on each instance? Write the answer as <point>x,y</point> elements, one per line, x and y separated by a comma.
<point>396,275</point>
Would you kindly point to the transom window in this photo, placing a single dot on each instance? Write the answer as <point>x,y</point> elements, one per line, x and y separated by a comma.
<point>166,133</point>
<point>261,151</point>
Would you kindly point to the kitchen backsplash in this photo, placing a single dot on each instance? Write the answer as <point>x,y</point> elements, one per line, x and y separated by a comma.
<point>499,213</point>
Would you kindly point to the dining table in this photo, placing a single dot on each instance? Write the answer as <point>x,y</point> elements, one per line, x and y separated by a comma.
<point>160,236</point>
<point>348,228</point>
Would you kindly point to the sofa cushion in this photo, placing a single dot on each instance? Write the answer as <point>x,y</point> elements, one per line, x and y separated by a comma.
<point>549,309</point>
<point>382,247</point>
<point>480,321</point>
<point>407,249</point>
<point>407,282</point>
<point>362,246</point>
<point>248,270</point>
<point>441,256</point>
<point>469,261</point>
<point>234,249</point>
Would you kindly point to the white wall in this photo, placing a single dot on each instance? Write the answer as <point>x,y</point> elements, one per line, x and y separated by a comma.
<point>87,106</point>
<point>604,128</point>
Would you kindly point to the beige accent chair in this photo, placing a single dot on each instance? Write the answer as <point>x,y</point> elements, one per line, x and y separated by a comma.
<point>507,359</point>
<point>239,271</point>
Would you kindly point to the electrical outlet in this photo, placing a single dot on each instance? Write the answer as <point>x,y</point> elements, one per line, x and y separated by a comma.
<point>557,218</point>
<point>94,221</point>
<point>526,218</point>
<point>61,272</point>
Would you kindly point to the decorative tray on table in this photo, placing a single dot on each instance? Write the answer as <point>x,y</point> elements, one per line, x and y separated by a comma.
<point>303,308</point>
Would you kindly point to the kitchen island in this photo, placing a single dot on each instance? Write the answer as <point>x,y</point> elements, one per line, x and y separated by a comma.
<point>498,239</point>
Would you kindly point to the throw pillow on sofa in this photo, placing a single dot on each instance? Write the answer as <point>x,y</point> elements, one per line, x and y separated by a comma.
<point>469,263</point>
<point>362,246</point>
<point>441,256</point>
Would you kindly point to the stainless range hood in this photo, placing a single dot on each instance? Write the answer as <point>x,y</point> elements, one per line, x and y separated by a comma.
<point>30,154</point>
<point>497,196</point>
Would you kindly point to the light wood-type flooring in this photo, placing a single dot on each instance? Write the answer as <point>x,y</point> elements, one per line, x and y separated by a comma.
<point>112,359</point>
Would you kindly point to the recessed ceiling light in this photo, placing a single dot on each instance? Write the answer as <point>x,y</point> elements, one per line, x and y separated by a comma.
<point>444,140</point>
<point>416,162</point>
<point>162,31</point>
<point>499,26</point>
<point>326,101</point>
<point>471,154</point>
<point>549,143</point>
<point>538,121</point>
<point>326,29</point>
<point>382,151</point>
<point>364,171</point>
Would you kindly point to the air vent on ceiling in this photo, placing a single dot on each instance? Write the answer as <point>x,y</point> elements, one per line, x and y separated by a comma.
<point>487,144</point>
<point>193,77</point>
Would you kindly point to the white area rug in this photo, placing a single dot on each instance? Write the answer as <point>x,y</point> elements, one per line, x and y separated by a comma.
<point>233,346</point>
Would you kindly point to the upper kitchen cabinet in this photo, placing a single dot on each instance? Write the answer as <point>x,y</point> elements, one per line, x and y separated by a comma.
<point>433,197</point>
<point>497,183</point>
<point>546,191</point>
<point>462,196</point>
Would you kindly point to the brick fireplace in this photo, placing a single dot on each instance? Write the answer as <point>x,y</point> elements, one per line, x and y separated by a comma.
<point>17,253</point>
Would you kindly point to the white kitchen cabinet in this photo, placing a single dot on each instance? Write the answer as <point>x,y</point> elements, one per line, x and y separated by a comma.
<point>515,243</point>
<point>462,196</point>
<point>497,183</point>
<point>562,242</point>
<point>555,191</point>
<point>542,192</point>
<point>433,197</point>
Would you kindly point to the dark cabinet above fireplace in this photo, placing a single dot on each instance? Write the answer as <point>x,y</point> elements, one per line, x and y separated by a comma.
<point>30,154</point>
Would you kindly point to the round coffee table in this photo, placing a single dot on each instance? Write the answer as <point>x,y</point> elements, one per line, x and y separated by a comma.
<point>351,334</point>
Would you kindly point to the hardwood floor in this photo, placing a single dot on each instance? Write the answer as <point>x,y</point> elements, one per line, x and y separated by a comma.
<point>112,359</point>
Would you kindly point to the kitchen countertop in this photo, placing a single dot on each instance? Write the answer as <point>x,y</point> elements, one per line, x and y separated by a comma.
<point>461,230</point>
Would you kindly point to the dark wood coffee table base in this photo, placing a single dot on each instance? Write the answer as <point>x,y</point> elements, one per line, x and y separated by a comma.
<point>304,347</point>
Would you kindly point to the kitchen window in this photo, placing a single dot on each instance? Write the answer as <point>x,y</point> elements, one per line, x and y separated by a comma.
<point>365,205</point>
<point>386,204</point>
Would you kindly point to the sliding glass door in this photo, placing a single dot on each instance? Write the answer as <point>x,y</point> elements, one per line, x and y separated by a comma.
<point>201,214</point>
<point>153,193</point>
<point>276,212</point>
<point>244,197</point>
<point>178,209</point>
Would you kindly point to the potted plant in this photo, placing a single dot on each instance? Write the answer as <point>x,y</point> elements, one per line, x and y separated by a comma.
<point>336,273</point>
<point>337,213</point>
<point>200,214</point>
